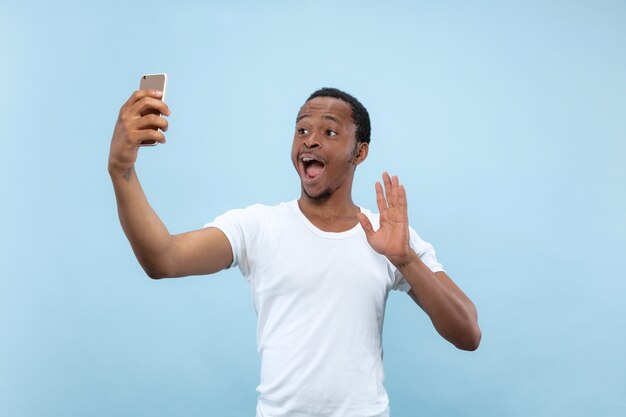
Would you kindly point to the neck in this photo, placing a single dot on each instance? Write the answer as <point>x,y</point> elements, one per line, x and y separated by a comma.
<point>327,208</point>
<point>335,213</point>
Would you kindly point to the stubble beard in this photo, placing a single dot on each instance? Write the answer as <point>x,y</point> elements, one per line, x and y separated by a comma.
<point>324,195</point>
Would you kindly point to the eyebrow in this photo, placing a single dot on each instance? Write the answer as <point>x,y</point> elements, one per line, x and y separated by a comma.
<point>325,116</point>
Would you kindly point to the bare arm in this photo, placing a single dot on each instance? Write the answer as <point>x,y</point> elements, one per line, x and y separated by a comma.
<point>453,315</point>
<point>451,312</point>
<point>160,254</point>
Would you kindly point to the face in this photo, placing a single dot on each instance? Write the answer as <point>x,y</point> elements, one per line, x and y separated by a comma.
<point>325,151</point>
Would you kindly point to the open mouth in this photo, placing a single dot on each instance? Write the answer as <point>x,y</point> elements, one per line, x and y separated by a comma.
<point>311,166</point>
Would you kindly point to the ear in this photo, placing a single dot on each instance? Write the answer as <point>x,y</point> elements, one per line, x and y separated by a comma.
<point>361,153</point>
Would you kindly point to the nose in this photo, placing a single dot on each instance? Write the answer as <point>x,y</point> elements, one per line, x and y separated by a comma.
<point>311,142</point>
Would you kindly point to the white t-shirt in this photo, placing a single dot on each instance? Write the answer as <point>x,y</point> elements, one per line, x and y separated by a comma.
<point>320,300</point>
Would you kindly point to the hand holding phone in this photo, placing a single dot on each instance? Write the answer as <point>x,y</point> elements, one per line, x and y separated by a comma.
<point>134,125</point>
<point>153,82</point>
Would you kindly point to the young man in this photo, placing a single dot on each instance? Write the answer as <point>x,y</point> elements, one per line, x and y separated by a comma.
<point>320,267</point>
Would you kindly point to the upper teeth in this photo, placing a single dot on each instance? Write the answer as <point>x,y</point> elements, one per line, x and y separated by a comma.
<point>307,159</point>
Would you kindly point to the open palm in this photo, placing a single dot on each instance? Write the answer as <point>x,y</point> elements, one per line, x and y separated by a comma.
<point>392,237</point>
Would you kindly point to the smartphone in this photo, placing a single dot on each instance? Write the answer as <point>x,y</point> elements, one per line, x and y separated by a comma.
<point>153,82</point>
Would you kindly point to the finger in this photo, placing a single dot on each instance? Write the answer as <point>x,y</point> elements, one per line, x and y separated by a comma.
<point>365,224</point>
<point>380,199</point>
<point>140,94</point>
<point>387,182</point>
<point>147,135</point>
<point>150,121</point>
<point>395,185</point>
<point>147,105</point>
<point>402,202</point>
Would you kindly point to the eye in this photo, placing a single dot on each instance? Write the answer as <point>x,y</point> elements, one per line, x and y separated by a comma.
<point>331,133</point>
<point>303,131</point>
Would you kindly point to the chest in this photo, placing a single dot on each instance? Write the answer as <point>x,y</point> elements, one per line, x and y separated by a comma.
<point>298,266</point>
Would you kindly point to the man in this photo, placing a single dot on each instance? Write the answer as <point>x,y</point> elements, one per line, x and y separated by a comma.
<point>320,267</point>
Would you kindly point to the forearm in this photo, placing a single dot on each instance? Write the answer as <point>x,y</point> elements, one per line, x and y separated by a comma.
<point>148,236</point>
<point>452,313</point>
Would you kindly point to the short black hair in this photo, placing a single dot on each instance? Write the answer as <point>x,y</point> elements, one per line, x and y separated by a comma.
<point>360,116</point>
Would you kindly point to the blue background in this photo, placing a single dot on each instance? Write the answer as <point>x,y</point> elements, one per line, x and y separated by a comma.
<point>504,120</point>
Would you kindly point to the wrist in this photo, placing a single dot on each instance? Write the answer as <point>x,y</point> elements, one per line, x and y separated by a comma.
<point>404,260</point>
<point>119,170</point>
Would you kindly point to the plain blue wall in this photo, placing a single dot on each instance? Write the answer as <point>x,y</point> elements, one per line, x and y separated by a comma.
<point>505,120</point>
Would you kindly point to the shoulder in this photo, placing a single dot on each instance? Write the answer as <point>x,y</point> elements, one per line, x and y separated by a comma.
<point>253,213</point>
<point>258,208</point>
<point>269,211</point>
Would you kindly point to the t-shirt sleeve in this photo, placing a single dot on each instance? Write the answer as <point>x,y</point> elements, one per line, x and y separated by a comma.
<point>242,227</point>
<point>426,253</point>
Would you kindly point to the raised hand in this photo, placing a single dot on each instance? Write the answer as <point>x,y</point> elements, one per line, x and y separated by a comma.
<point>137,122</point>
<point>392,237</point>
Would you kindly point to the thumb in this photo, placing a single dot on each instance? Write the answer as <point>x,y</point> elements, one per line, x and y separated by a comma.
<point>365,224</point>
